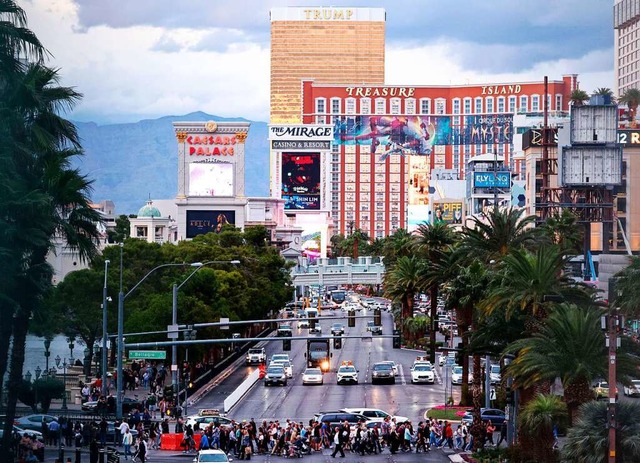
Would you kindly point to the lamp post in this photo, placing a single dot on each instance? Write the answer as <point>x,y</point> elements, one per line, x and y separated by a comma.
<point>120,340</point>
<point>47,353</point>
<point>104,329</point>
<point>87,361</point>
<point>71,346</point>
<point>174,317</point>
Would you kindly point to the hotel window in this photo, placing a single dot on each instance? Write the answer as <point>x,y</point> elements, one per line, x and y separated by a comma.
<point>365,197</point>
<point>410,106</point>
<point>379,215</point>
<point>425,105</point>
<point>396,105</point>
<point>456,121</point>
<point>335,105</point>
<point>478,107</point>
<point>535,103</point>
<point>548,102</point>
<point>501,148</point>
<point>365,186</point>
<point>559,102</point>
<point>365,168</point>
<point>523,103</point>
<point>380,178</point>
<point>490,104</point>
<point>441,106</point>
<point>381,106</point>
<point>512,104</point>
<point>364,178</point>
<point>335,177</point>
<point>365,106</point>
<point>478,149</point>
<point>350,105</point>
<point>335,196</point>
<point>467,105</point>
<point>456,106</point>
<point>335,158</point>
<point>500,104</point>
<point>141,232</point>
<point>321,108</point>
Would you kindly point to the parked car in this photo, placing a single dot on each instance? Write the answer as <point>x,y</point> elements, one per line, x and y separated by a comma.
<point>312,376</point>
<point>34,422</point>
<point>633,389</point>
<point>382,372</point>
<point>23,432</point>
<point>601,390</point>
<point>494,415</point>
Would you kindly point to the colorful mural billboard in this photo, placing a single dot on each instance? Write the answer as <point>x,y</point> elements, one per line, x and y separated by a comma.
<point>301,181</point>
<point>417,135</point>
<point>203,222</point>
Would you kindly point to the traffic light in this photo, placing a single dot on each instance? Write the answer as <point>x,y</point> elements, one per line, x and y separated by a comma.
<point>352,319</point>
<point>377,317</point>
<point>397,339</point>
<point>337,343</point>
<point>312,320</point>
<point>286,344</point>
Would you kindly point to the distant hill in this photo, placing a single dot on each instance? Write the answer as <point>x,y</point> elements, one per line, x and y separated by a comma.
<point>130,162</point>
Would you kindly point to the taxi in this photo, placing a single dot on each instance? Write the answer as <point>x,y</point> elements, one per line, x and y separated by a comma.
<point>347,373</point>
<point>206,416</point>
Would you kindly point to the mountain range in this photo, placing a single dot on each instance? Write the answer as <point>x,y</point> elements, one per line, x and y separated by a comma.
<point>130,163</point>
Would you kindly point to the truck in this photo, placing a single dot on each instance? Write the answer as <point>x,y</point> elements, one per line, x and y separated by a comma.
<point>319,354</point>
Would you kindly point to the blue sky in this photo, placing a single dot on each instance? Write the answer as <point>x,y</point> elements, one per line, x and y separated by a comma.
<point>135,59</point>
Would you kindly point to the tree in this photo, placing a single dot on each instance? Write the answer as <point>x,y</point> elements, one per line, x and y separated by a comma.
<point>41,391</point>
<point>537,419</point>
<point>631,97</point>
<point>604,91</point>
<point>415,327</point>
<point>562,230</point>
<point>628,288</point>
<point>122,230</point>
<point>432,240</point>
<point>403,282</point>
<point>400,244</point>
<point>578,97</point>
<point>569,345</point>
<point>588,440</point>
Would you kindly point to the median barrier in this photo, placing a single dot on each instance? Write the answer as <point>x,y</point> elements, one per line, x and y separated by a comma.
<point>173,441</point>
<point>236,395</point>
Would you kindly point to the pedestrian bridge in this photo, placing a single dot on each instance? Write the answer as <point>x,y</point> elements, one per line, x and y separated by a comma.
<point>341,271</point>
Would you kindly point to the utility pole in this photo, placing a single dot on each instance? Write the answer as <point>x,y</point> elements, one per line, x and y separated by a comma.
<point>613,326</point>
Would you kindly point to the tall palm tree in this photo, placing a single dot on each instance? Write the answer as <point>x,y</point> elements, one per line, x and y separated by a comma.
<point>416,326</point>
<point>499,233</point>
<point>537,419</point>
<point>588,440</point>
<point>431,241</point>
<point>16,41</point>
<point>578,97</point>
<point>569,345</point>
<point>563,230</point>
<point>628,289</point>
<point>631,97</point>
<point>403,282</point>
<point>401,243</point>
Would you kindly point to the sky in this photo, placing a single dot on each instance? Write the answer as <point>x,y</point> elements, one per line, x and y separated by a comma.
<point>143,59</point>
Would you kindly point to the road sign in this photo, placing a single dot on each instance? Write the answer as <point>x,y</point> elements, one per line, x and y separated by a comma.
<point>148,354</point>
<point>224,320</point>
<point>492,394</point>
<point>172,332</point>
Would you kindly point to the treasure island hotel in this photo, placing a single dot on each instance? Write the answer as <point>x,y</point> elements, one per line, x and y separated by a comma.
<point>383,142</point>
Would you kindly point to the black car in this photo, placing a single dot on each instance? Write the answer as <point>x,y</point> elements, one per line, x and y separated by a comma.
<point>275,375</point>
<point>494,415</point>
<point>128,405</point>
<point>337,329</point>
<point>338,418</point>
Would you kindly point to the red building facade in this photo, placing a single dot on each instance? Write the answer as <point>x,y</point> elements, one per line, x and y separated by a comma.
<point>388,139</point>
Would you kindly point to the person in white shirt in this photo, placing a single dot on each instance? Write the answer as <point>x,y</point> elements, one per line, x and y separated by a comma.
<point>123,428</point>
<point>127,440</point>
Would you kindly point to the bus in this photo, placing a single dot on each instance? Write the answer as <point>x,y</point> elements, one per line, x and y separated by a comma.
<point>319,354</point>
<point>338,296</point>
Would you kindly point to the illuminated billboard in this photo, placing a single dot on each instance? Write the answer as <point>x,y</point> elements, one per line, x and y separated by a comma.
<point>210,179</point>
<point>492,179</point>
<point>203,222</point>
<point>301,181</point>
<point>417,135</point>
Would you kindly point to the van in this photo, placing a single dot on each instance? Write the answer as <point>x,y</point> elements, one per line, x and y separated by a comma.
<point>337,418</point>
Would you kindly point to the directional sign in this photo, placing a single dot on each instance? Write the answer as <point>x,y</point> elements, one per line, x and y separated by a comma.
<point>492,394</point>
<point>148,354</point>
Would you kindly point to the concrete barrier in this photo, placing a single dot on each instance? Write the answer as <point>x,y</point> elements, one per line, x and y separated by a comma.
<point>236,395</point>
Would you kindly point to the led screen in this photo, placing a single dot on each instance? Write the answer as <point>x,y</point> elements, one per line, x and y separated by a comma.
<point>210,179</point>
<point>202,222</point>
<point>301,180</point>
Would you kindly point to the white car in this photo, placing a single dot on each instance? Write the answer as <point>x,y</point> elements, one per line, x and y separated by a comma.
<point>442,359</point>
<point>393,364</point>
<point>375,415</point>
<point>288,368</point>
<point>211,456</point>
<point>206,416</point>
<point>303,324</point>
<point>422,373</point>
<point>278,357</point>
<point>633,388</point>
<point>255,355</point>
<point>347,373</point>
<point>495,374</point>
<point>317,329</point>
<point>312,376</point>
<point>456,374</point>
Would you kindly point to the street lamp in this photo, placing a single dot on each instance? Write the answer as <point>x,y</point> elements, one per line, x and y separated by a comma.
<point>47,353</point>
<point>174,317</point>
<point>121,297</point>
<point>104,329</point>
<point>87,361</point>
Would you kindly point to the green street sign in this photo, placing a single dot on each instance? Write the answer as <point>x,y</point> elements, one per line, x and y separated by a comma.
<point>147,354</point>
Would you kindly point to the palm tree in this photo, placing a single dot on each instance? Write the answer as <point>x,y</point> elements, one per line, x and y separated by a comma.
<point>588,440</point>
<point>432,240</point>
<point>569,345</point>
<point>606,92</point>
<point>631,97</point>
<point>403,282</point>
<point>416,326</point>
<point>562,230</point>
<point>578,97</point>
<point>401,243</point>
<point>499,233</point>
<point>537,419</point>
<point>628,289</point>
<point>16,41</point>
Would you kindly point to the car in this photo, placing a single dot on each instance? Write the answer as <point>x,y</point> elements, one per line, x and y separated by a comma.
<point>494,415</point>
<point>347,373</point>
<point>442,359</point>
<point>382,372</point>
<point>601,390</point>
<point>24,432</point>
<point>339,417</point>
<point>275,375</point>
<point>633,389</point>
<point>207,416</point>
<point>495,374</point>
<point>255,355</point>
<point>211,456</point>
<point>394,366</point>
<point>34,422</point>
<point>312,376</point>
<point>128,405</point>
<point>288,368</point>
<point>375,415</point>
<point>278,357</point>
<point>371,326</point>
<point>284,331</point>
<point>337,329</point>
<point>456,374</point>
<point>303,324</point>
<point>422,373</point>
<point>316,329</point>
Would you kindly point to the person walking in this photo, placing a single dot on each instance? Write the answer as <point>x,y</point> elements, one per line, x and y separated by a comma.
<point>503,433</point>
<point>339,439</point>
<point>127,441</point>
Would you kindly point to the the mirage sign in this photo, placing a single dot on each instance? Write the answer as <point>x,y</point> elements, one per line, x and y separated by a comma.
<point>301,132</point>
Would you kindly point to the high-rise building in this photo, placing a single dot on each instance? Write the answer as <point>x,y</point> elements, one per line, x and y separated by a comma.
<point>626,26</point>
<point>329,45</point>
